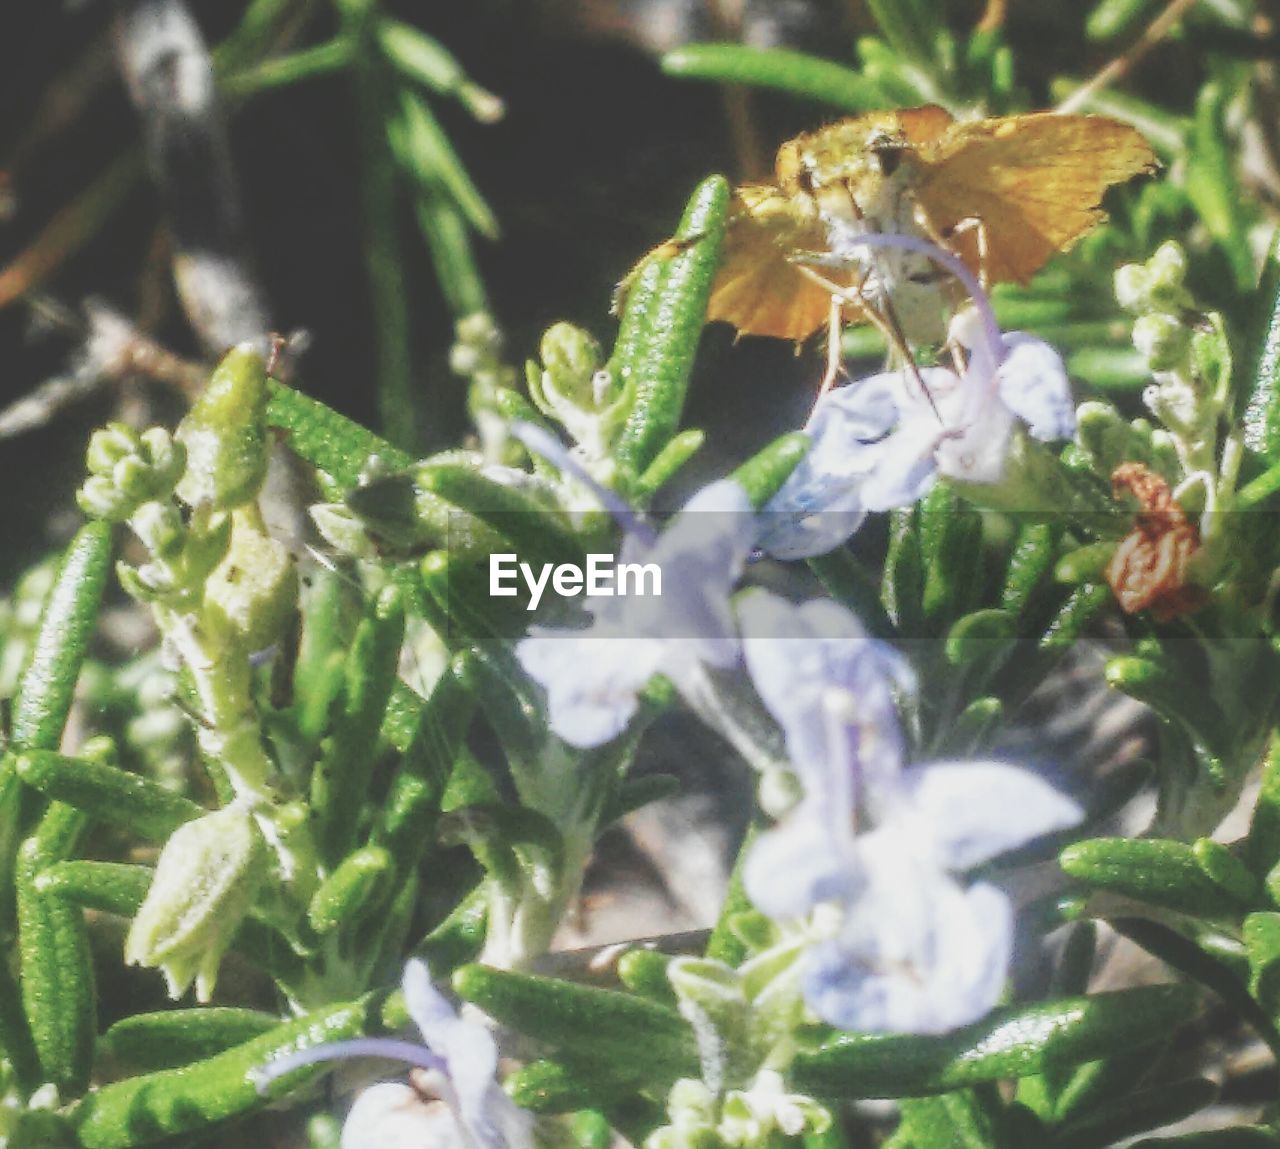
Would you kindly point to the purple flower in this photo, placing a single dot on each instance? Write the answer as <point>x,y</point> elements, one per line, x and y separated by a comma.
<point>874,845</point>
<point>593,677</point>
<point>882,442</point>
<point>457,1062</point>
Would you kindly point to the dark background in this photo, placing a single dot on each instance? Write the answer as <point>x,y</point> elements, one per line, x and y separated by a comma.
<point>590,167</point>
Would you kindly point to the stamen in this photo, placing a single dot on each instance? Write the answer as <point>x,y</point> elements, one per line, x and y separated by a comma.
<point>840,716</point>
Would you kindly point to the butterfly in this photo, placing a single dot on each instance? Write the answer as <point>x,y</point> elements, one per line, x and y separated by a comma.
<point>1004,194</point>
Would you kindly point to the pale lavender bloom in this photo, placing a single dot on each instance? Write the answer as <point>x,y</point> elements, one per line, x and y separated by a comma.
<point>395,1115</point>
<point>882,442</point>
<point>797,654</point>
<point>917,953</point>
<point>457,1060</point>
<point>876,842</point>
<point>593,677</point>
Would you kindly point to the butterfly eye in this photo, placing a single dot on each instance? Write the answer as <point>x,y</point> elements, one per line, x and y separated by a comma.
<point>888,155</point>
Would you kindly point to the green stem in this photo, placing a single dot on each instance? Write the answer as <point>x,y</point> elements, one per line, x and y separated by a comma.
<point>318,60</point>
<point>1264,486</point>
<point>228,732</point>
<point>387,287</point>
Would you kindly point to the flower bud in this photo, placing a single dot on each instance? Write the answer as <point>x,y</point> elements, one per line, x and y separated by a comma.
<point>778,792</point>
<point>127,470</point>
<point>477,351</point>
<point>574,389</point>
<point>1132,283</point>
<point>570,357</point>
<point>753,1117</point>
<point>99,498</point>
<point>161,529</point>
<point>108,445</point>
<point>1161,340</point>
<point>153,470</point>
<point>479,330</point>
<point>204,885</point>
<point>1168,270</point>
<point>464,359</point>
<point>225,433</point>
<point>254,590</point>
<point>1156,285</point>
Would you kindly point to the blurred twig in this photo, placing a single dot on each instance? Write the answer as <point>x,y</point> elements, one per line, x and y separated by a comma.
<point>70,228</point>
<point>748,152</point>
<point>170,77</point>
<point>1119,67</point>
<point>378,210</point>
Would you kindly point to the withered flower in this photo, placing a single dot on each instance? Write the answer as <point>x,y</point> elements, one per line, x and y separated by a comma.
<point>1149,568</point>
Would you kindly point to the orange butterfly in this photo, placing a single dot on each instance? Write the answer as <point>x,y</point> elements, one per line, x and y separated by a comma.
<point>1004,194</point>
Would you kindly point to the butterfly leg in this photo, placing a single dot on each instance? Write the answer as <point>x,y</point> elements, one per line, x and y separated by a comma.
<point>840,297</point>
<point>882,317</point>
<point>834,326</point>
<point>972,223</point>
<point>978,226</point>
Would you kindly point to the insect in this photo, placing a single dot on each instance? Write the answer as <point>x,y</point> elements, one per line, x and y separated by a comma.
<point>1004,194</point>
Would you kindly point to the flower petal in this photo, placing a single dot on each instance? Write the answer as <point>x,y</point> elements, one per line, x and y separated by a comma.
<point>1034,385</point>
<point>820,504</point>
<point>972,811</point>
<point>976,452</point>
<point>468,1049</point>
<point>593,677</point>
<point>796,656</point>
<point>592,681</point>
<point>805,860</point>
<point>393,1115</point>
<point>907,466</point>
<point>486,1114</point>
<point>918,954</point>
<point>700,556</point>
<point>796,534</point>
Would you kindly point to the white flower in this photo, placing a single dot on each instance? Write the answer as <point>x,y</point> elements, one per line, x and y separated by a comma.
<point>593,677</point>
<point>873,844</point>
<point>882,442</point>
<point>457,1062</point>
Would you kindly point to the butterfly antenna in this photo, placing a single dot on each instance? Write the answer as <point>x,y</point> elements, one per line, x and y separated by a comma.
<point>898,342</point>
<point>882,317</point>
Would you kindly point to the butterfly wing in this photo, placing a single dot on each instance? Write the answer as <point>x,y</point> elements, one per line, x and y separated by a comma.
<point>1034,181</point>
<point>924,125</point>
<point>758,288</point>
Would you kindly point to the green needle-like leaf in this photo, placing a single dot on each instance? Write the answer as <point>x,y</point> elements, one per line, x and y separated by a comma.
<point>659,365</point>
<point>327,440</point>
<point>107,793</point>
<point>795,73</point>
<point>1010,1043</point>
